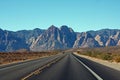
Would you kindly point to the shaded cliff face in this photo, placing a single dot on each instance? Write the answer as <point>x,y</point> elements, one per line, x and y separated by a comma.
<point>85,39</point>
<point>107,37</point>
<point>12,41</point>
<point>57,38</point>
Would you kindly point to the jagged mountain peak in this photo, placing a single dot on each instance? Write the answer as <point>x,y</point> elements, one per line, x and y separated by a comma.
<point>64,27</point>
<point>57,38</point>
<point>37,29</point>
<point>52,27</point>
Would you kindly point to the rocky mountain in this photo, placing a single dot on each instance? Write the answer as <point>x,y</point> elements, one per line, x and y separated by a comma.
<point>57,38</point>
<point>12,41</point>
<point>106,37</point>
<point>85,39</point>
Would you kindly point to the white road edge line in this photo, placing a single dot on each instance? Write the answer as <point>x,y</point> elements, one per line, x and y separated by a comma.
<point>97,76</point>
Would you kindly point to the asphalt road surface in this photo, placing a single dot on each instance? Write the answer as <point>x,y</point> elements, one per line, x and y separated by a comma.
<point>104,72</point>
<point>19,70</point>
<point>68,68</point>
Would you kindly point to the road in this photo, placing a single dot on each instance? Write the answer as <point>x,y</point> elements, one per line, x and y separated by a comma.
<point>105,72</point>
<point>68,68</point>
<point>19,70</point>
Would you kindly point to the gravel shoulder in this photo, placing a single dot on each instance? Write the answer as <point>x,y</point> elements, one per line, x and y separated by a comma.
<point>113,65</point>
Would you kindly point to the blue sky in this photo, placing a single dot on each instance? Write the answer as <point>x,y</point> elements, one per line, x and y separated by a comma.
<point>81,15</point>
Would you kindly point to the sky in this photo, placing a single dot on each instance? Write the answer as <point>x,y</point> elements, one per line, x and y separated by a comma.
<point>81,15</point>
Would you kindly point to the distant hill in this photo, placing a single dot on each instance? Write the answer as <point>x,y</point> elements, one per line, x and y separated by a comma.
<point>57,38</point>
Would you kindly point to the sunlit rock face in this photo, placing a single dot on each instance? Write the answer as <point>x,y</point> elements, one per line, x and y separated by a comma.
<point>57,38</point>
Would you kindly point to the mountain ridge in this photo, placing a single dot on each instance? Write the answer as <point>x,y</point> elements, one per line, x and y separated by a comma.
<point>57,38</point>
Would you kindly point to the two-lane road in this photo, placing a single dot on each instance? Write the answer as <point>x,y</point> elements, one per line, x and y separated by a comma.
<point>68,68</point>
<point>71,69</point>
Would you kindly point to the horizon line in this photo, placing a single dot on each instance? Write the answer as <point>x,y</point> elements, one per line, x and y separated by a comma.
<point>59,28</point>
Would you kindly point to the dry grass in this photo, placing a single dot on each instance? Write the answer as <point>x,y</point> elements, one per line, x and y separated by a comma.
<point>106,53</point>
<point>9,57</point>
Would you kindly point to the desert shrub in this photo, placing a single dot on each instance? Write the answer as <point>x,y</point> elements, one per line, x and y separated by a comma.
<point>105,53</point>
<point>106,56</point>
<point>8,57</point>
<point>89,53</point>
<point>92,53</point>
<point>117,58</point>
<point>1,60</point>
<point>78,52</point>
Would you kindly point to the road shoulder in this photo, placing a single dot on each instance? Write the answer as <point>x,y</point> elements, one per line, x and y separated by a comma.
<point>113,65</point>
